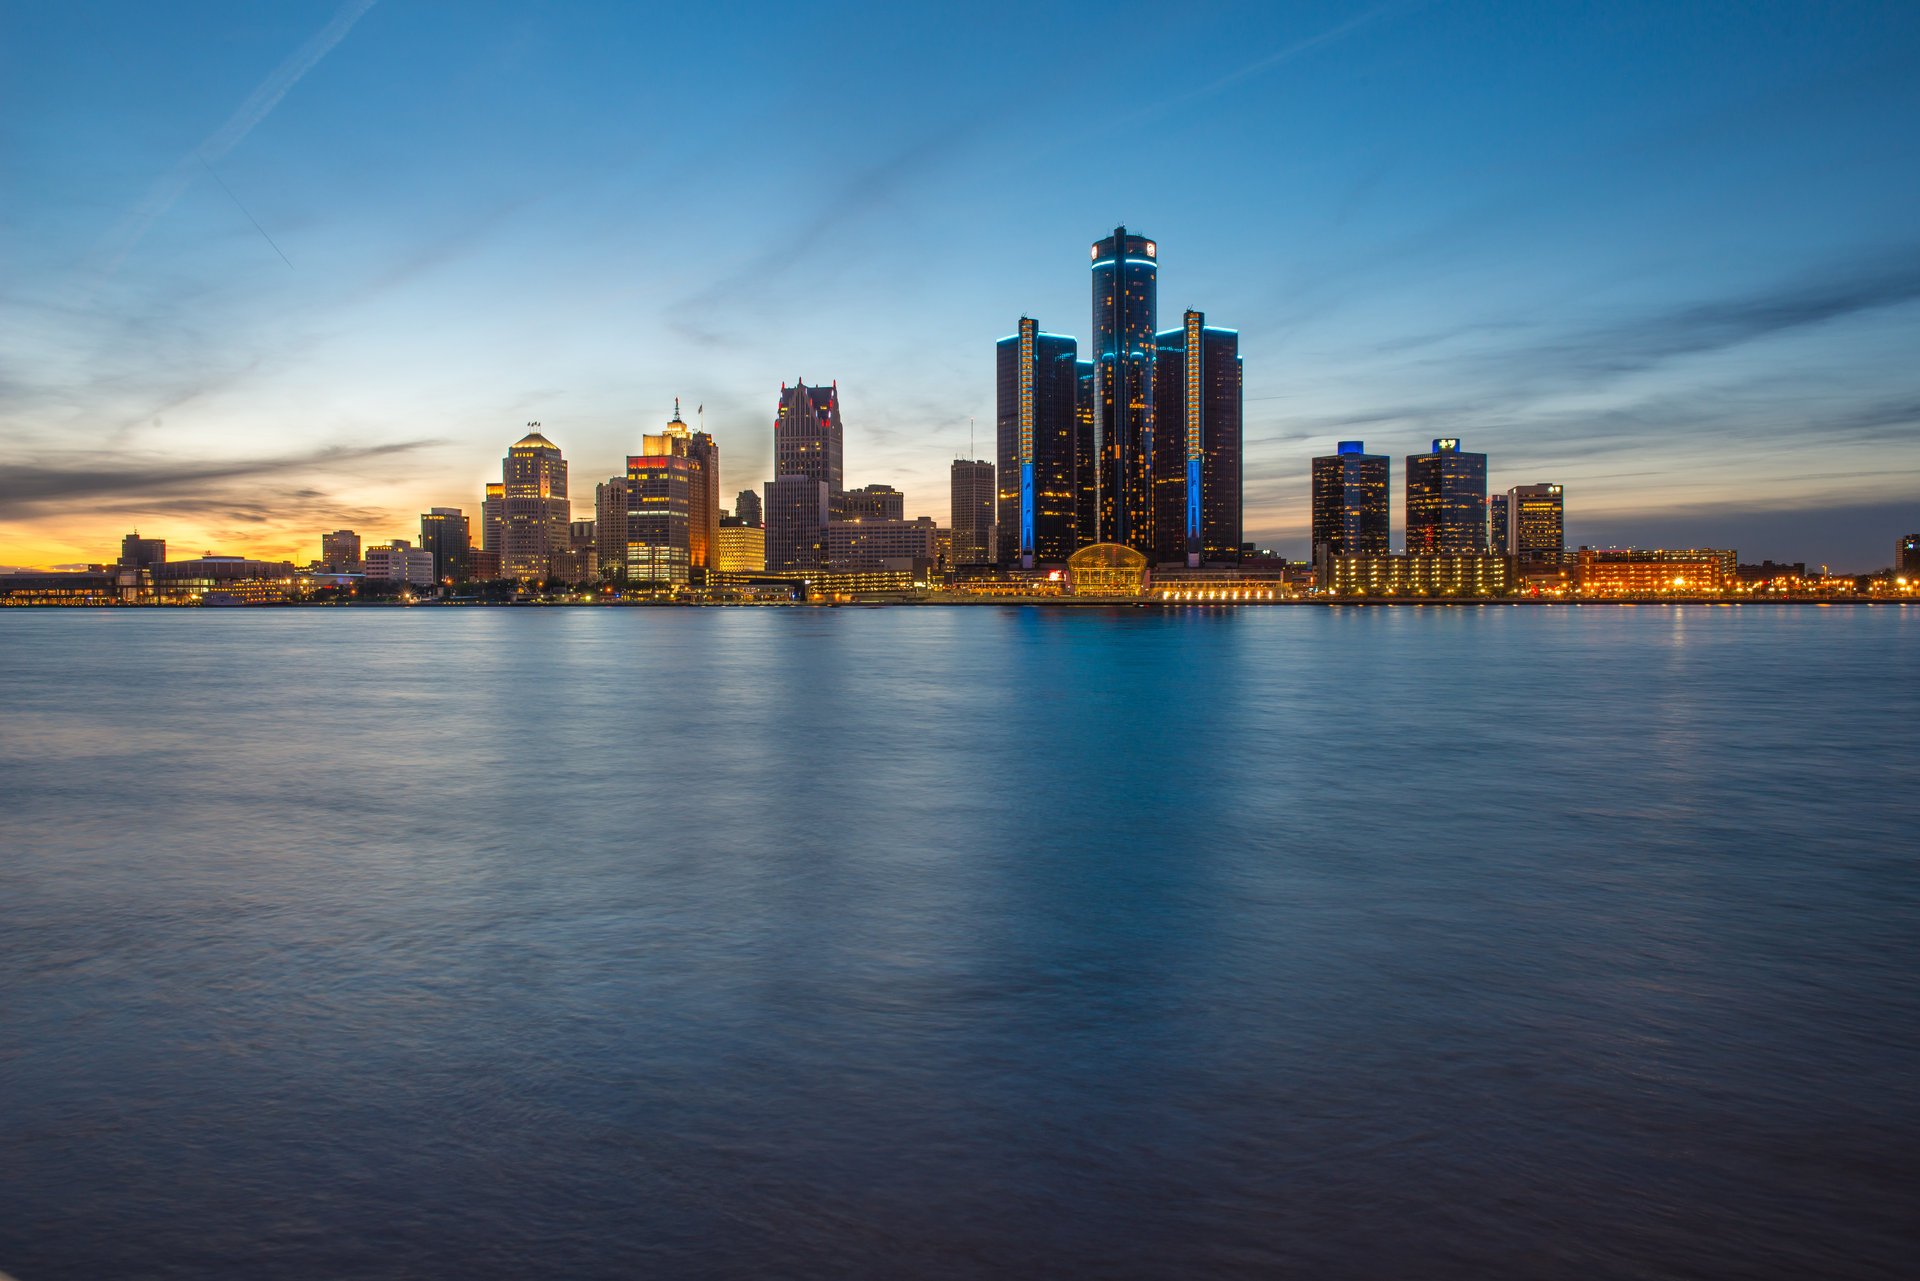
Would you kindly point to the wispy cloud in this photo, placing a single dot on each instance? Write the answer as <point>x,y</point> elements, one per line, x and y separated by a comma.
<point>257,106</point>
<point>98,477</point>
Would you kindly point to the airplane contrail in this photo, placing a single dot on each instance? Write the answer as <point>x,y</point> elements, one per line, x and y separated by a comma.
<point>265,97</point>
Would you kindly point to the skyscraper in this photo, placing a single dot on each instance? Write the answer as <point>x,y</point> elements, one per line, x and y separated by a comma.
<point>703,499</point>
<point>1350,514</point>
<point>493,508</point>
<point>1125,287</point>
<point>445,536</point>
<point>808,436</point>
<point>534,507</point>
<point>340,551</point>
<point>1036,386</point>
<point>1536,524</point>
<point>972,500</point>
<point>660,483</point>
<point>610,529</point>
<point>797,512</point>
<point>1196,432</point>
<point>143,553</point>
<point>1907,555</point>
<point>747,508</point>
<point>872,502</point>
<point>1497,524</point>
<point>1446,500</point>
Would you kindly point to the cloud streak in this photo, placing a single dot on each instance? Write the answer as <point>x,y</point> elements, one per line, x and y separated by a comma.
<point>96,477</point>
<point>231,133</point>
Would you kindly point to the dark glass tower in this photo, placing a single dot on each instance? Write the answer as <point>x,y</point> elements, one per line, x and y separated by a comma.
<point>1350,502</point>
<point>1447,501</point>
<point>808,436</point>
<point>1036,391</point>
<point>1196,465</point>
<point>1125,287</point>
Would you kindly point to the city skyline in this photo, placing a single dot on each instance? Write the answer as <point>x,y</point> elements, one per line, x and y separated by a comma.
<point>294,293</point>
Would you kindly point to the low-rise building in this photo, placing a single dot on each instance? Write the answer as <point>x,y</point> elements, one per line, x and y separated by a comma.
<point>1637,571</point>
<point>1420,574</point>
<point>400,562</point>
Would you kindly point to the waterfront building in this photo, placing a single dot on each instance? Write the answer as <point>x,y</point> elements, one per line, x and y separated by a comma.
<point>1086,458</point>
<point>400,562</point>
<point>1036,384</point>
<point>882,544</point>
<point>747,508</point>
<point>809,437</point>
<point>1108,569</point>
<point>1497,524</point>
<point>797,512</point>
<point>1906,558</point>
<point>1125,298</point>
<point>1447,501</point>
<point>493,506</point>
<point>610,529</point>
<point>340,551</point>
<point>138,553</point>
<point>972,500</point>
<point>871,502</point>
<point>1637,571</point>
<point>534,512</point>
<point>943,549</point>
<point>741,548</point>
<point>484,566</point>
<point>1417,574</point>
<point>224,580</point>
<point>583,551</point>
<point>1196,434</point>
<point>1536,524</point>
<point>660,484</point>
<point>445,536</point>
<point>1350,512</point>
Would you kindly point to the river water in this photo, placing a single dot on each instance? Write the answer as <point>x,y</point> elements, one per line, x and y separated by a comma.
<point>966,942</point>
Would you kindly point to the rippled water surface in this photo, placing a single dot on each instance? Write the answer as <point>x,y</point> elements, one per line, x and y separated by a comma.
<point>960,943</point>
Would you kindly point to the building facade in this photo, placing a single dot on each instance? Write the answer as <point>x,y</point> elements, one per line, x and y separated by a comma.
<point>1350,502</point>
<point>881,544</point>
<point>1536,524</point>
<point>660,485</point>
<point>1418,574</point>
<point>1197,434</point>
<point>400,562</point>
<point>340,551</point>
<point>972,501</point>
<point>445,536</point>
<point>1637,571</point>
<point>747,507</point>
<point>809,437</point>
<point>610,529</point>
<point>1497,524</point>
<point>1036,385</point>
<point>140,553</point>
<point>493,525</point>
<point>871,502</point>
<point>1906,557</point>
<point>797,512</point>
<point>534,512</point>
<point>1125,299</point>
<point>1446,501</point>
<point>741,548</point>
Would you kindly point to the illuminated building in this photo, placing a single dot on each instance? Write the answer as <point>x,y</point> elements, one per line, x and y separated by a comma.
<point>1418,574</point>
<point>445,536</point>
<point>70,587</point>
<point>747,507</point>
<point>1350,513</point>
<point>741,548</point>
<point>1906,559</point>
<point>583,551</point>
<point>227,578</point>
<point>340,551</point>
<point>483,565</point>
<point>1125,286</point>
<point>797,510</point>
<point>534,511</point>
<point>493,505</point>
<point>825,584</point>
<point>610,529</point>
<point>1446,501</point>
<point>1497,524</point>
<point>971,489</point>
<point>943,549</point>
<point>1196,434</point>
<point>881,544</point>
<point>138,553</point>
<point>1655,571</point>
<point>1036,385</point>
<point>1107,569</point>
<point>1086,458</point>
<point>1536,524</point>
<point>871,502</point>
<point>808,436</point>
<point>400,562</point>
<point>660,483</point>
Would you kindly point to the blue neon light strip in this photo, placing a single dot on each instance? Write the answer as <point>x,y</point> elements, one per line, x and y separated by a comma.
<point>1193,499</point>
<point>1026,509</point>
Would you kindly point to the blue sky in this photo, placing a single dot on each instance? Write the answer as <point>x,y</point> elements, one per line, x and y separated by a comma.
<point>270,269</point>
